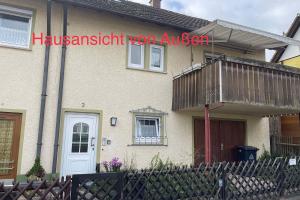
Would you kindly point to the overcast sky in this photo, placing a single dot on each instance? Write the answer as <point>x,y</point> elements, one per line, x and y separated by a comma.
<point>270,15</point>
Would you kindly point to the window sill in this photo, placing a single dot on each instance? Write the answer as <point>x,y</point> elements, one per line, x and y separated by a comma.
<point>151,145</point>
<point>146,70</point>
<point>16,47</point>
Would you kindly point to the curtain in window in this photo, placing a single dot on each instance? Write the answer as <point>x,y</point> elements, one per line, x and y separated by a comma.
<point>136,54</point>
<point>156,56</point>
<point>147,128</point>
<point>14,30</point>
<point>6,140</point>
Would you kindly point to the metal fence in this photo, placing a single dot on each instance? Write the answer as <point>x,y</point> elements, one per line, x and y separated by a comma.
<point>285,145</point>
<point>268,179</point>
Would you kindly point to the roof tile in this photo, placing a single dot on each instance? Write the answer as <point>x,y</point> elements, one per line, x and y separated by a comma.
<point>143,12</point>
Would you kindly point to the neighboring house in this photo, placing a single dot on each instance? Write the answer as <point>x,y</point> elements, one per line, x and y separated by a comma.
<point>290,55</point>
<point>132,101</point>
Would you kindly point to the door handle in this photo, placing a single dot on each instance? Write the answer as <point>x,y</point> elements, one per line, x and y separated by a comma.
<point>222,147</point>
<point>93,141</point>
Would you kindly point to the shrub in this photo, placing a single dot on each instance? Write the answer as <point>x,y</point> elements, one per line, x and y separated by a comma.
<point>266,155</point>
<point>158,163</point>
<point>37,170</point>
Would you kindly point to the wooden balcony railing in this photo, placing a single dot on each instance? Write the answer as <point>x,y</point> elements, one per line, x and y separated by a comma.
<point>238,81</point>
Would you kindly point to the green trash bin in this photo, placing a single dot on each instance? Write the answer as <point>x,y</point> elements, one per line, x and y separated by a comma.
<point>245,153</point>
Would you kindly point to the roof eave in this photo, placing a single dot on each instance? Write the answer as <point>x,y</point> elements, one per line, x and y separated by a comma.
<point>183,29</point>
<point>291,33</point>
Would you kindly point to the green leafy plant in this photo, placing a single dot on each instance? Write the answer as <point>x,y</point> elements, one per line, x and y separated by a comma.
<point>130,164</point>
<point>37,171</point>
<point>266,155</point>
<point>158,163</point>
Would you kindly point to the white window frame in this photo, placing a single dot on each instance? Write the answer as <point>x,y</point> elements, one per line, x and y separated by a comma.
<point>20,13</point>
<point>133,65</point>
<point>162,55</point>
<point>148,140</point>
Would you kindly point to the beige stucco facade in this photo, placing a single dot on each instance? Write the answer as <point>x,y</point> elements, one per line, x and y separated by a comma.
<point>97,78</point>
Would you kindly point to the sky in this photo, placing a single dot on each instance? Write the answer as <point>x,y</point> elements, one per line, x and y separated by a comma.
<point>273,16</point>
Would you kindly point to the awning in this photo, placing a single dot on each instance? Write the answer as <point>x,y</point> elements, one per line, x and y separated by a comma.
<point>243,37</point>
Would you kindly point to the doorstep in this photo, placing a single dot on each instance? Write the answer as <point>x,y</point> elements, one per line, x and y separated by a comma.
<point>7,182</point>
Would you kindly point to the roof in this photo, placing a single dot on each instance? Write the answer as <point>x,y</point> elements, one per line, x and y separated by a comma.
<point>142,12</point>
<point>291,33</point>
<point>244,37</point>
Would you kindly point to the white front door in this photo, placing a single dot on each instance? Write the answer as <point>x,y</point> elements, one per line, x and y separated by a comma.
<point>79,144</point>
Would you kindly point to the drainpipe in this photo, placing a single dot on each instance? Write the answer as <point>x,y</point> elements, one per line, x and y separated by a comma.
<point>60,89</point>
<point>208,156</point>
<point>45,83</point>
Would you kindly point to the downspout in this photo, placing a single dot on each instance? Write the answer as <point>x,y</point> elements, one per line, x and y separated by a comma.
<point>60,89</point>
<point>207,137</point>
<point>44,86</point>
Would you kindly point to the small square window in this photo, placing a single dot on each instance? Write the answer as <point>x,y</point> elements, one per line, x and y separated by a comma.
<point>157,58</point>
<point>15,27</point>
<point>135,55</point>
<point>75,148</point>
<point>147,130</point>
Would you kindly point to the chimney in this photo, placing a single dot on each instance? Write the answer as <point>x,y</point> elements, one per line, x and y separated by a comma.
<point>155,3</point>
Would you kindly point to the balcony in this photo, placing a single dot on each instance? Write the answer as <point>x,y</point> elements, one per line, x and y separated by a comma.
<point>240,86</point>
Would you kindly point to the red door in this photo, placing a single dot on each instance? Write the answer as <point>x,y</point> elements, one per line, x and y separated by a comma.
<point>225,136</point>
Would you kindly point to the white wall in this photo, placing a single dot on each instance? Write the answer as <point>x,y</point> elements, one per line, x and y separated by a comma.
<point>292,51</point>
<point>99,78</point>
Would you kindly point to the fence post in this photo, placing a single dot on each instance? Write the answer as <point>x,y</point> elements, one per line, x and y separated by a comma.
<point>68,189</point>
<point>281,178</point>
<point>222,182</point>
<point>75,184</point>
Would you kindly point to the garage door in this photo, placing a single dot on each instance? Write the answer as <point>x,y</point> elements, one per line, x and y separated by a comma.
<point>225,136</point>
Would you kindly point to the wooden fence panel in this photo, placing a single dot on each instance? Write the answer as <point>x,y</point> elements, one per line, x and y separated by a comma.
<point>54,190</point>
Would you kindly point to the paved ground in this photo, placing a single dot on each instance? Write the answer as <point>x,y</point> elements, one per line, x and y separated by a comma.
<point>291,198</point>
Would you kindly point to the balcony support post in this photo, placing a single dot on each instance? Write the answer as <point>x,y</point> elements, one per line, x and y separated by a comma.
<point>208,156</point>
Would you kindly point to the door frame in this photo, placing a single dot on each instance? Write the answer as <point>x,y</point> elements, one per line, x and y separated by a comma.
<point>61,133</point>
<point>213,118</point>
<point>22,130</point>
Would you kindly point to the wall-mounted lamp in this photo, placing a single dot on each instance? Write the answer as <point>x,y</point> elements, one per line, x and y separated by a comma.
<point>113,121</point>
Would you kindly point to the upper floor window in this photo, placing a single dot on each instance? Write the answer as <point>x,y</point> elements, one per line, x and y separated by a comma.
<point>136,55</point>
<point>146,56</point>
<point>157,58</point>
<point>15,26</point>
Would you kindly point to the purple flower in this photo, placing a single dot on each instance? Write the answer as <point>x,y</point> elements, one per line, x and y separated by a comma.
<point>106,165</point>
<point>113,165</point>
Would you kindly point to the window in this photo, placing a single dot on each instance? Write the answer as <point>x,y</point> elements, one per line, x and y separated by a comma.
<point>147,130</point>
<point>15,27</point>
<point>80,138</point>
<point>149,126</point>
<point>157,58</point>
<point>146,57</point>
<point>136,55</point>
